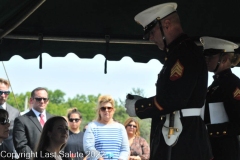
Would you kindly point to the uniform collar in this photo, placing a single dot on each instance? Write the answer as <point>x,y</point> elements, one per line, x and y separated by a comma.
<point>182,37</point>
<point>222,74</point>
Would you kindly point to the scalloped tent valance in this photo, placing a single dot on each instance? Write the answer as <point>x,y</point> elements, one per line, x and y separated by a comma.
<point>86,28</point>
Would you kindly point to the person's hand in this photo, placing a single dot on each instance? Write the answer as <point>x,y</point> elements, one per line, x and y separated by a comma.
<point>134,158</point>
<point>130,104</point>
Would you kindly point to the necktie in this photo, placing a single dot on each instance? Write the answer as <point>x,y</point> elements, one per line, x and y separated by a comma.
<point>41,119</point>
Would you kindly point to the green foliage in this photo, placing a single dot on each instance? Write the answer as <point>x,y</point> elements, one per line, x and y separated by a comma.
<point>57,109</point>
<point>18,100</point>
<point>138,91</point>
<point>86,104</point>
<point>56,96</point>
<point>145,126</point>
<point>120,114</point>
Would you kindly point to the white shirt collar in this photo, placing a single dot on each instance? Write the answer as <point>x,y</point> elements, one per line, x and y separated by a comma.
<point>4,106</point>
<point>37,114</point>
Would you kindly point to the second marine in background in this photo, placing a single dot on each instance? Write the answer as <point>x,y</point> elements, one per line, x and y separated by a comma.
<point>222,109</point>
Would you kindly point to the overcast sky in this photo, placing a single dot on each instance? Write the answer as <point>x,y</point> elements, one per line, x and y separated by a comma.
<point>75,76</point>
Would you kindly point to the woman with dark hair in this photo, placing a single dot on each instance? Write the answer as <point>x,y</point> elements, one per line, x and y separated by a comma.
<point>4,132</point>
<point>74,146</point>
<point>4,125</point>
<point>53,139</point>
<point>139,148</point>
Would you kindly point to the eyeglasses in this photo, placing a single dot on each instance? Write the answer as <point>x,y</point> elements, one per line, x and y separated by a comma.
<point>74,119</point>
<point>130,125</point>
<point>5,92</point>
<point>40,99</point>
<point>106,108</point>
<point>4,121</point>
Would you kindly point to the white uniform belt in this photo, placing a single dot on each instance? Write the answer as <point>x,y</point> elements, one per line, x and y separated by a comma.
<point>191,112</point>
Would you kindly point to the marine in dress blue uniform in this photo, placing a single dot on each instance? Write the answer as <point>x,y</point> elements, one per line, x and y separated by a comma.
<point>181,86</point>
<point>222,109</point>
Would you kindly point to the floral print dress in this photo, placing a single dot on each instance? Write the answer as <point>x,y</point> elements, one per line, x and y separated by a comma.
<point>140,147</point>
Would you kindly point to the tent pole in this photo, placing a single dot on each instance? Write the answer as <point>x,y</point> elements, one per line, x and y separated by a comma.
<point>88,40</point>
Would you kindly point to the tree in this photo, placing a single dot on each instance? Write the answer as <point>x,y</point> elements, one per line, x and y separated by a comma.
<point>120,113</point>
<point>18,100</point>
<point>56,96</point>
<point>57,109</point>
<point>138,91</point>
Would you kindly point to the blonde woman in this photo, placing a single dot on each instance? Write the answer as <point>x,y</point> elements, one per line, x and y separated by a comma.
<point>105,138</point>
<point>139,148</point>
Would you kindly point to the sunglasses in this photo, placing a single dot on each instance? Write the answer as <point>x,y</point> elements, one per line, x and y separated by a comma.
<point>74,119</point>
<point>40,99</point>
<point>130,125</point>
<point>4,121</point>
<point>5,92</point>
<point>106,108</point>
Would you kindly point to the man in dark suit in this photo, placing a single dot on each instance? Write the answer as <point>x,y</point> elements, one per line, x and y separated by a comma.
<point>13,113</point>
<point>27,128</point>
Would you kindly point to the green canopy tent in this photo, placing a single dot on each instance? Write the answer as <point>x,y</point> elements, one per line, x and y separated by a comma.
<point>30,27</point>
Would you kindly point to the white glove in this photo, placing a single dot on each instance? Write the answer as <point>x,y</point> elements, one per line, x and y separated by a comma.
<point>130,105</point>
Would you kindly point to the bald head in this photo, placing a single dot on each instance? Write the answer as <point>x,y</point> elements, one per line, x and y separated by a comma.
<point>172,27</point>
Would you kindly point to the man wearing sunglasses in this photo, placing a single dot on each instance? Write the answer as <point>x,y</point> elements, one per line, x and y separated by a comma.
<point>13,113</point>
<point>27,128</point>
